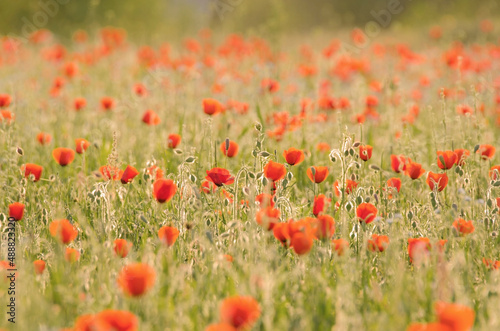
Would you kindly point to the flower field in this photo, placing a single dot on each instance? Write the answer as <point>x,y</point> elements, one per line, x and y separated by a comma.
<point>238,183</point>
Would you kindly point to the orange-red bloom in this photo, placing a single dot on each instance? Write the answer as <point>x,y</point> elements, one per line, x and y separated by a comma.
<point>486,151</point>
<point>44,138</point>
<point>110,172</point>
<point>39,266</point>
<point>325,227</point>
<point>494,172</point>
<point>418,248</point>
<point>129,174</point>
<point>71,255</point>
<point>365,152</point>
<point>398,163</point>
<point>320,204</point>
<point>121,247</point>
<point>168,235</point>
<point>81,145</point>
<point>366,212</point>
<point>340,246</point>
<point>232,149</point>
<point>463,227</point>
<point>63,231</point>
<point>282,233</point>
<point>240,312</point>
<point>219,176</point>
<point>136,279</point>
<point>457,317</point>
<point>437,181</point>
<point>267,217</point>
<point>5,100</point>
<point>115,320</point>
<point>350,186</point>
<point>462,155</point>
<point>63,156</point>
<point>212,106</point>
<point>16,210</point>
<point>151,118</point>
<point>293,156</point>
<point>302,242</point>
<point>320,174</point>
<point>394,183</point>
<point>32,169</point>
<point>220,327</point>
<point>446,159</point>
<point>173,140</point>
<point>274,171</point>
<point>79,103</point>
<point>414,170</point>
<point>107,103</point>
<point>378,243</point>
<point>164,189</point>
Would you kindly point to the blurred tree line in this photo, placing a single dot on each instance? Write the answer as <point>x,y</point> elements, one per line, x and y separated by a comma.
<point>159,19</point>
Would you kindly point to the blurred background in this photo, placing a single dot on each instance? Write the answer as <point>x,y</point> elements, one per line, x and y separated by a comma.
<point>147,21</point>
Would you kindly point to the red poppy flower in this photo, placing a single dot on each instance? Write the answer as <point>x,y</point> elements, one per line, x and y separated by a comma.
<point>208,187</point>
<point>433,179</point>
<point>81,145</point>
<point>79,103</point>
<point>486,151</point>
<point>63,156</point>
<point>173,140</point>
<point>378,243</point>
<point>129,174</point>
<point>44,138</point>
<point>365,152</point>
<point>293,156</point>
<point>350,186</point>
<point>121,247</point>
<point>462,154</point>
<point>302,242</point>
<point>320,174</point>
<point>269,85</point>
<point>110,172</point>
<point>140,90</point>
<point>155,171</point>
<point>395,183</point>
<point>281,232</point>
<point>340,246</point>
<point>168,235</point>
<point>219,176</point>
<point>494,172</point>
<point>457,317</point>
<point>323,147</point>
<point>267,217</point>
<point>16,210</point>
<point>136,279</point>
<point>7,115</point>
<point>463,227</point>
<point>366,212</point>
<point>151,118</point>
<point>71,255</point>
<point>116,320</point>
<point>325,227</point>
<point>274,171</point>
<point>232,149</point>
<point>446,159</point>
<point>240,312</point>
<point>5,100</point>
<point>32,169</point>
<point>264,200</point>
<point>164,190</point>
<point>212,106</point>
<point>39,266</point>
<point>220,327</point>
<point>414,170</point>
<point>418,248</point>
<point>63,231</point>
<point>398,163</point>
<point>491,264</point>
<point>107,103</point>
<point>320,204</point>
